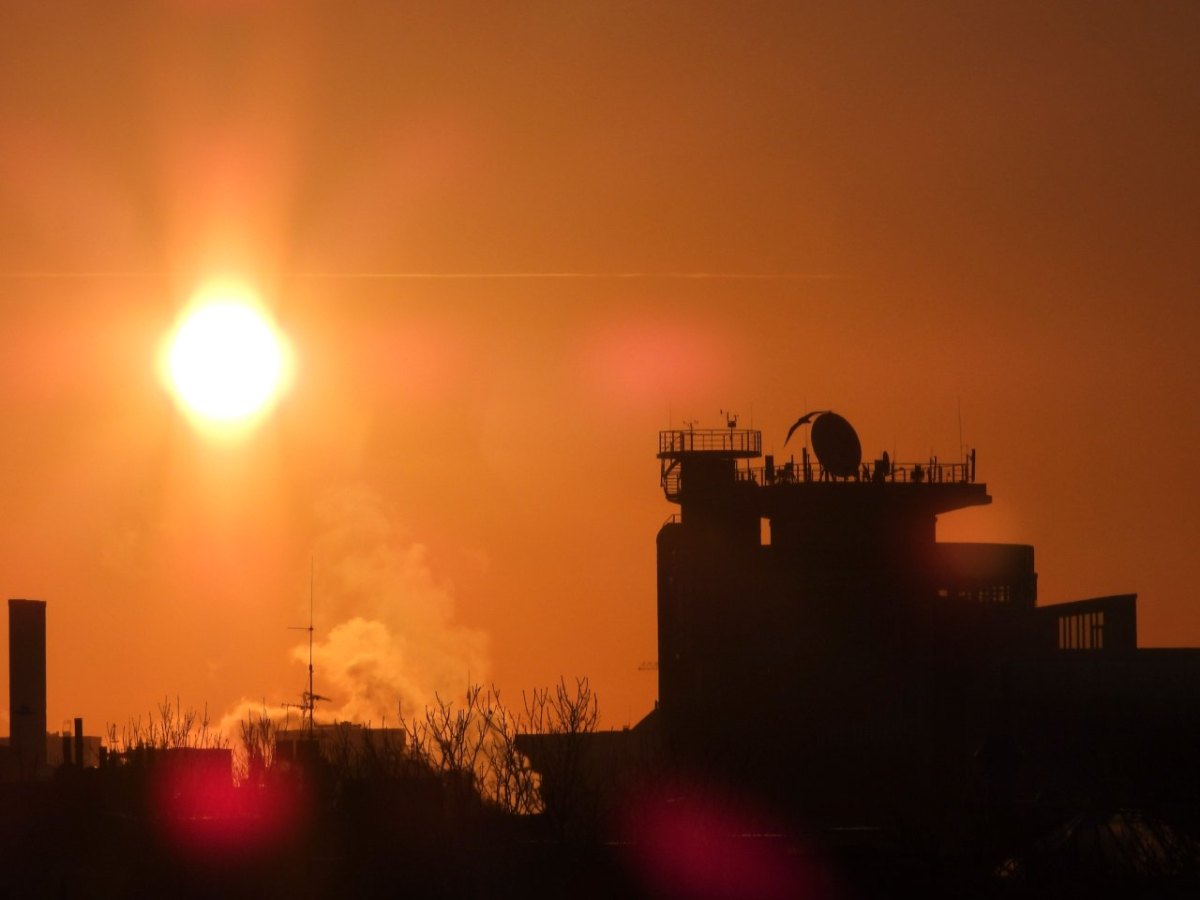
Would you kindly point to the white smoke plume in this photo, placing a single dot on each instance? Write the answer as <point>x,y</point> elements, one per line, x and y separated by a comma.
<point>390,639</point>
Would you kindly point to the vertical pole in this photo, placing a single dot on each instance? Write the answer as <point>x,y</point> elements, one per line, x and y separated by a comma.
<point>960,440</point>
<point>311,696</point>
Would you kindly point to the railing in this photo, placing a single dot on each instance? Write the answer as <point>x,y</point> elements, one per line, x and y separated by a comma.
<point>733,441</point>
<point>671,482</point>
<point>808,470</point>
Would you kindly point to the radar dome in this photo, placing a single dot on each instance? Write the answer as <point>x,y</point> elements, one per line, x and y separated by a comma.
<point>836,445</point>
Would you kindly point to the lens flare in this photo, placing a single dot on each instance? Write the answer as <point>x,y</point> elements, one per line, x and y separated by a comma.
<point>226,363</point>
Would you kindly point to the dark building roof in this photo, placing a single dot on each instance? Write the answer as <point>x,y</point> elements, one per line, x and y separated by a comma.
<point>825,661</point>
<point>819,646</point>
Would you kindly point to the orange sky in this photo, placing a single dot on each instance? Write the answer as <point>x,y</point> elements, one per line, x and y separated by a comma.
<point>996,206</point>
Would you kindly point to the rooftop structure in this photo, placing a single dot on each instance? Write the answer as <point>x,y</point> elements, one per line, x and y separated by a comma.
<point>818,645</point>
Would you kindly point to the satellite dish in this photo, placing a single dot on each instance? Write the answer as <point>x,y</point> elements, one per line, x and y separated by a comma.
<point>836,445</point>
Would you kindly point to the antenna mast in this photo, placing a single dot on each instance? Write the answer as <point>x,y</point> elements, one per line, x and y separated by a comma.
<point>962,455</point>
<point>308,702</point>
<point>311,697</point>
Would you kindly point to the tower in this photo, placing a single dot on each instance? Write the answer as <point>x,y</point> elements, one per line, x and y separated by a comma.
<point>799,634</point>
<point>27,685</point>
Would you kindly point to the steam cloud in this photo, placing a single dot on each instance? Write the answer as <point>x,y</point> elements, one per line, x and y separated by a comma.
<point>395,642</point>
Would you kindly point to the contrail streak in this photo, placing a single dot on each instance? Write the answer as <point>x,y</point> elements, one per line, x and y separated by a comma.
<point>472,276</point>
<point>33,276</point>
<point>594,276</point>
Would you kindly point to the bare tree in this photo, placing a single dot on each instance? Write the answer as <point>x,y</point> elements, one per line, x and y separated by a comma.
<point>451,740</point>
<point>509,781</point>
<point>560,721</point>
<point>168,727</point>
<point>258,747</point>
<point>476,745</point>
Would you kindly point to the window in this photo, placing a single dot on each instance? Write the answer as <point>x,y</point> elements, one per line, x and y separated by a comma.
<point>1081,631</point>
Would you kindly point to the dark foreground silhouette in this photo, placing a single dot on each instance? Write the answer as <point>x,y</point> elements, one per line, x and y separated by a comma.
<point>155,830</point>
<point>848,708</point>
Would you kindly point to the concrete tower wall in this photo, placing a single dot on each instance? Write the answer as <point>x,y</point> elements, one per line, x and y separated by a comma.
<point>27,685</point>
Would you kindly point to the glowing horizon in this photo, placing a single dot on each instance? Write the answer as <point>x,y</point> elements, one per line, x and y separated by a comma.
<point>498,274</point>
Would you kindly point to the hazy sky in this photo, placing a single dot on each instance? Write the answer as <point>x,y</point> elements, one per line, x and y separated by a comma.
<point>992,208</point>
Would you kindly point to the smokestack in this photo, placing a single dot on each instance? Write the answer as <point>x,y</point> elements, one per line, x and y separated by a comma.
<point>78,742</point>
<point>27,685</point>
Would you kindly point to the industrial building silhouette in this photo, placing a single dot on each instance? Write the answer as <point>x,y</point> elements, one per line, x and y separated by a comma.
<point>819,646</point>
<point>31,752</point>
<point>898,712</point>
<point>26,754</point>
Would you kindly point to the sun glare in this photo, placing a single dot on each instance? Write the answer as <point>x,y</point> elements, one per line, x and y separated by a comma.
<point>226,363</point>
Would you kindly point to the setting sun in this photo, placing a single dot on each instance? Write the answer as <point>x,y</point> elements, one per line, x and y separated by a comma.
<point>226,363</point>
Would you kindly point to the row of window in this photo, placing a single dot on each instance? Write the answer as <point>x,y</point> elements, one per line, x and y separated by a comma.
<point>992,593</point>
<point>1082,631</point>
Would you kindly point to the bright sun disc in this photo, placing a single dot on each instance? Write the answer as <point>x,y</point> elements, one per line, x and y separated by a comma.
<point>225,362</point>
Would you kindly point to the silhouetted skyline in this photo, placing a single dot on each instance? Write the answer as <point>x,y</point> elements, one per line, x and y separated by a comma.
<point>957,227</point>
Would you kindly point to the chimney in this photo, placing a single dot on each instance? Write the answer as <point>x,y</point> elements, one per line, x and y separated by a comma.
<point>27,685</point>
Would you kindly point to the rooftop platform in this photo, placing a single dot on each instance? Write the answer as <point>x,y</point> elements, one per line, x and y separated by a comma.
<point>807,470</point>
<point>729,443</point>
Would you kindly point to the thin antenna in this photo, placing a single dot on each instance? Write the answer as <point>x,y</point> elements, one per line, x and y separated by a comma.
<point>309,699</point>
<point>311,695</point>
<point>961,455</point>
<point>806,430</point>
